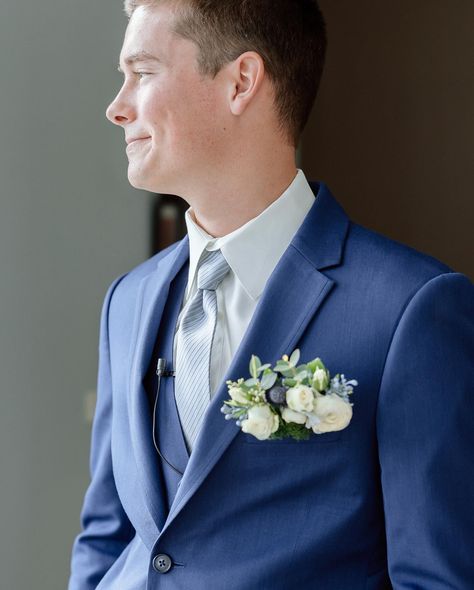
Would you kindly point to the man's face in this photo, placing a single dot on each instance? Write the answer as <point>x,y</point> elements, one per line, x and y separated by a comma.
<point>170,114</point>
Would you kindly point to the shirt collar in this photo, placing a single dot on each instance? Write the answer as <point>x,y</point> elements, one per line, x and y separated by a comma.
<point>254,249</point>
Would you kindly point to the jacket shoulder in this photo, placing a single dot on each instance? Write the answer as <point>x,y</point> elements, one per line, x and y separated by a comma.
<point>388,260</point>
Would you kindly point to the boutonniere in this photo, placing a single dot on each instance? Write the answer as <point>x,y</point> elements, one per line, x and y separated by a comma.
<point>289,400</point>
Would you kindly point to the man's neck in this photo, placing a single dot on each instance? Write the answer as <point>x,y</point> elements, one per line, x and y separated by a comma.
<point>226,211</point>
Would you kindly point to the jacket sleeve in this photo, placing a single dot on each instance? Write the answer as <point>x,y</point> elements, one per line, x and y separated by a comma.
<point>425,429</point>
<point>106,530</point>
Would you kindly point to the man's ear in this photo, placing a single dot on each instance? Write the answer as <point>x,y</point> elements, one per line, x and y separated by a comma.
<point>246,75</point>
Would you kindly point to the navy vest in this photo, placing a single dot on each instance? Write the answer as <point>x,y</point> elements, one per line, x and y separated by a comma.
<point>168,431</point>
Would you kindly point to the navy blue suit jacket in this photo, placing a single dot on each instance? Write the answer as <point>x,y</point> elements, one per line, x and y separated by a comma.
<point>385,503</point>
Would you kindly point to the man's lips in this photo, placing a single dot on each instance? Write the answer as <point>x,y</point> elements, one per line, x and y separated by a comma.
<point>135,139</point>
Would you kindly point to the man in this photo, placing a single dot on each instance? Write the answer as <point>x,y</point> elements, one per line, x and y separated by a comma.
<point>214,98</point>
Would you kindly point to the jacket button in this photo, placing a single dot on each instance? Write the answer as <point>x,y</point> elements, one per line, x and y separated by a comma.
<point>162,563</point>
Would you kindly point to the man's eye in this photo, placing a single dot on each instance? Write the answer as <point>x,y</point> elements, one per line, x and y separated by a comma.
<point>141,74</point>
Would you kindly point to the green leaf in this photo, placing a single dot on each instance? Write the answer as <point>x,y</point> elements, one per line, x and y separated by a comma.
<point>317,363</point>
<point>288,382</point>
<point>251,382</point>
<point>295,357</point>
<point>288,373</point>
<point>301,375</point>
<point>290,429</point>
<point>268,380</point>
<point>263,367</point>
<point>281,366</point>
<point>255,363</point>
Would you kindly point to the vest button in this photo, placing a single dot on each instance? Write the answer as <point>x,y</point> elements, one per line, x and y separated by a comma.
<point>162,563</point>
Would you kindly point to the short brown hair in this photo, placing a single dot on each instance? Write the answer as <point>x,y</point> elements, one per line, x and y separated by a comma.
<point>289,35</point>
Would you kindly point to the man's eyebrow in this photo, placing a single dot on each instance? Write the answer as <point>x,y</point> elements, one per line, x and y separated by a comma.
<point>138,56</point>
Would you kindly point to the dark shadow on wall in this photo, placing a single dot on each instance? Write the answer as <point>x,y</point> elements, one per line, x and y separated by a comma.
<point>167,221</point>
<point>392,129</point>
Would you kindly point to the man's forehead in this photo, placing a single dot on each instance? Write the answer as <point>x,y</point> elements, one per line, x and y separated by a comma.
<point>147,37</point>
<point>150,20</point>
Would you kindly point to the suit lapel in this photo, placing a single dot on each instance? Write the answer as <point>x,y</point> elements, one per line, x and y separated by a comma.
<point>151,299</point>
<point>280,318</point>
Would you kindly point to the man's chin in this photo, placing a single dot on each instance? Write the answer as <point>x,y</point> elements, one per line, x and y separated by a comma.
<point>138,181</point>
<point>153,185</point>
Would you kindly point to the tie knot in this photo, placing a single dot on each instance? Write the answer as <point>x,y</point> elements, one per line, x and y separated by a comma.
<point>212,270</point>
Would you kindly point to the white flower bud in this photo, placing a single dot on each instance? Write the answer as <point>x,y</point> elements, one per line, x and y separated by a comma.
<point>320,380</point>
<point>261,422</point>
<point>292,416</point>
<point>238,395</point>
<point>300,398</point>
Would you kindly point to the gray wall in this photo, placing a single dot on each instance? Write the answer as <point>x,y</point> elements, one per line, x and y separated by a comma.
<point>392,132</point>
<point>69,224</point>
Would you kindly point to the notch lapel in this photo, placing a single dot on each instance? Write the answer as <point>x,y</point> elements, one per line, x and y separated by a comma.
<point>280,318</point>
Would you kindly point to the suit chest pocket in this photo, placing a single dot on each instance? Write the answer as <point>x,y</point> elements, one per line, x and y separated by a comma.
<point>314,439</point>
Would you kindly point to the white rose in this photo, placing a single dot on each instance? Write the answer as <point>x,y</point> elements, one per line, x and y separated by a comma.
<point>320,380</point>
<point>333,411</point>
<point>238,395</point>
<point>311,420</point>
<point>261,422</point>
<point>292,416</point>
<point>300,398</point>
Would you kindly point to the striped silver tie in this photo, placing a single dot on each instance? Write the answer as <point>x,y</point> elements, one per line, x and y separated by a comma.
<point>194,344</point>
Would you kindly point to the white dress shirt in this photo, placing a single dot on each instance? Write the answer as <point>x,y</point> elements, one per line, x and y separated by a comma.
<point>252,252</point>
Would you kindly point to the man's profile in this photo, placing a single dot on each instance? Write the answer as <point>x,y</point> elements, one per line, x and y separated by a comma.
<point>214,98</point>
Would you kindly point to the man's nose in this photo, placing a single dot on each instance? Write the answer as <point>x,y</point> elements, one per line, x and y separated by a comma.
<point>119,111</point>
